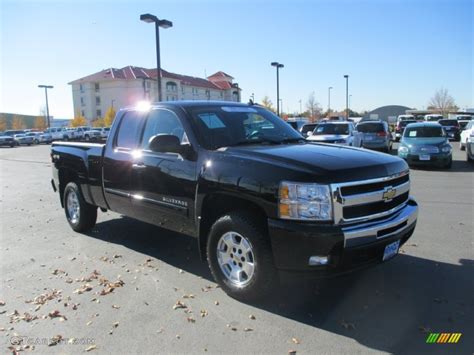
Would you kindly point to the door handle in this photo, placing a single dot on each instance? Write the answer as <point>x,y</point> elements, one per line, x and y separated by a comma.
<point>138,166</point>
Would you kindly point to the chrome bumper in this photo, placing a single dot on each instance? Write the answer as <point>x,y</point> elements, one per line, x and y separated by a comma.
<point>371,232</point>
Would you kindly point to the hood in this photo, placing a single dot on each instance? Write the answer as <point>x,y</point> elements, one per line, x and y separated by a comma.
<point>424,141</point>
<point>331,163</point>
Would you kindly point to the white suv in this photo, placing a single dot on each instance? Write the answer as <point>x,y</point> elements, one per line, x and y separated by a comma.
<point>466,135</point>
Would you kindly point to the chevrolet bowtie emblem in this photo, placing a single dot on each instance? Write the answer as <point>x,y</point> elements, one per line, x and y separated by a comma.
<point>389,194</point>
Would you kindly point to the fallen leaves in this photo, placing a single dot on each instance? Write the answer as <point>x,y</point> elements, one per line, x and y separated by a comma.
<point>252,317</point>
<point>179,305</point>
<point>191,320</point>
<point>45,297</point>
<point>55,340</point>
<point>57,314</point>
<point>110,287</point>
<point>90,348</point>
<point>114,306</point>
<point>2,303</point>
<point>16,317</point>
<point>203,313</point>
<point>248,329</point>
<point>295,340</point>
<point>83,288</point>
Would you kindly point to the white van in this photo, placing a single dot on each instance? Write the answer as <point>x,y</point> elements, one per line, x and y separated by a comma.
<point>433,117</point>
<point>405,118</point>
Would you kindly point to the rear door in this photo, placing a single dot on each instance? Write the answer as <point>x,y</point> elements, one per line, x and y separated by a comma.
<point>164,184</point>
<point>118,162</point>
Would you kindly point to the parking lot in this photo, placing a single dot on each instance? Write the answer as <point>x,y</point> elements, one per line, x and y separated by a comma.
<point>168,301</point>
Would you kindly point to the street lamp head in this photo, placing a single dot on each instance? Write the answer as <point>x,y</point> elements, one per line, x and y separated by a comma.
<point>346,76</point>
<point>275,64</point>
<point>330,87</point>
<point>149,18</point>
<point>165,23</point>
<point>280,65</point>
<point>46,86</point>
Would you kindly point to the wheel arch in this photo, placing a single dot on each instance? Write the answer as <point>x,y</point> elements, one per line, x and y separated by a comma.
<point>216,205</point>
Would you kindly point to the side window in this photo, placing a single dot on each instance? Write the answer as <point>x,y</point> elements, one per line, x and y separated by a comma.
<point>162,122</point>
<point>129,130</point>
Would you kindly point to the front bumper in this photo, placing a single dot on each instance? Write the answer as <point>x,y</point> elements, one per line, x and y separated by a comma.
<point>438,159</point>
<point>349,247</point>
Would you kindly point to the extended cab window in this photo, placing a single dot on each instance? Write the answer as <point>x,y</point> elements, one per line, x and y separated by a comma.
<point>162,122</point>
<point>129,129</point>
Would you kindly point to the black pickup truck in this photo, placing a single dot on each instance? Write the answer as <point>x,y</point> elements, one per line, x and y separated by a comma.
<point>261,201</point>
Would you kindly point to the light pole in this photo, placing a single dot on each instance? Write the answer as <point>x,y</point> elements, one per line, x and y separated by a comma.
<point>347,96</point>
<point>329,100</point>
<point>278,66</point>
<point>112,102</point>
<point>46,87</point>
<point>350,97</point>
<point>149,18</point>
<point>301,110</point>
<point>281,105</point>
<point>253,97</point>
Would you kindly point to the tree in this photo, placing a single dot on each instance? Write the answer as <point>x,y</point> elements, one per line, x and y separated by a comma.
<point>267,103</point>
<point>313,107</point>
<point>442,102</point>
<point>18,123</point>
<point>109,117</point>
<point>3,123</point>
<point>78,121</point>
<point>40,123</point>
<point>98,122</point>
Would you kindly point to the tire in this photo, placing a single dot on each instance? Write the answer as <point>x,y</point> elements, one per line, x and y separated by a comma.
<point>37,141</point>
<point>461,146</point>
<point>80,215</point>
<point>87,138</point>
<point>449,164</point>
<point>468,157</point>
<point>230,234</point>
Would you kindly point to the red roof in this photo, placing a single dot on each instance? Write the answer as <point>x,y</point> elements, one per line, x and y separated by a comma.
<point>219,75</point>
<point>131,73</point>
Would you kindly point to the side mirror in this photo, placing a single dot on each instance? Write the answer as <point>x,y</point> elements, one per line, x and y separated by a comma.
<point>164,143</point>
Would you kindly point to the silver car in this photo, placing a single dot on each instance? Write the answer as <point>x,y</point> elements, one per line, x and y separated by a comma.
<point>373,135</point>
<point>23,139</point>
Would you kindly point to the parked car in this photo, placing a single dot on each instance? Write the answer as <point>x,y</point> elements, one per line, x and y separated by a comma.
<point>463,120</point>
<point>465,134</point>
<point>6,140</point>
<point>426,144</point>
<point>12,132</point>
<point>451,127</point>
<point>400,128</point>
<point>104,133</point>
<point>69,134</point>
<point>338,132</point>
<point>373,135</point>
<point>402,118</point>
<point>470,148</point>
<point>258,201</point>
<point>23,139</point>
<point>56,133</point>
<point>46,137</point>
<point>81,130</point>
<point>307,129</point>
<point>94,134</point>
<point>433,117</point>
<point>35,135</point>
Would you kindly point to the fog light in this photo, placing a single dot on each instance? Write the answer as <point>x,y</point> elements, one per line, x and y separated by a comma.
<point>318,260</point>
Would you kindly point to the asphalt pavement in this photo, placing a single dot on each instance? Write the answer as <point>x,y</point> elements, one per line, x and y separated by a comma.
<point>129,287</point>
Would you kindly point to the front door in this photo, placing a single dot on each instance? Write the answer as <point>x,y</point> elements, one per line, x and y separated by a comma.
<point>164,184</point>
<point>118,162</point>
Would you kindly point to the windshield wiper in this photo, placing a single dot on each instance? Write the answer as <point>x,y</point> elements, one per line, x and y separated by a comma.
<point>256,141</point>
<point>293,140</point>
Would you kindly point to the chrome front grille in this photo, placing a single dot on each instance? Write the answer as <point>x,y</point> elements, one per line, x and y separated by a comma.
<point>425,149</point>
<point>365,200</point>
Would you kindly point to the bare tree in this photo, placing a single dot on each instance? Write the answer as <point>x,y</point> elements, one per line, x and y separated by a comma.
<point>442,102</point>
<point>313,107</point>
<point>267,103</point>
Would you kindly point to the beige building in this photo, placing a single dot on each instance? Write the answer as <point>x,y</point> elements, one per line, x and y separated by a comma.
<point>94,94</point>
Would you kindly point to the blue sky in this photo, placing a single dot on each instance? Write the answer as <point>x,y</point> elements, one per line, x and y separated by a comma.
<point>396,52</point>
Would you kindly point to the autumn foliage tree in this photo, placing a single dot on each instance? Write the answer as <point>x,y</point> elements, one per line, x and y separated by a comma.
<point>18,123</point>
<point>267,103</point>
<point>3,123</point>
<point>109,117</point>
<point>78,121</point>
<point>40,123</point>
<point>98,123</point>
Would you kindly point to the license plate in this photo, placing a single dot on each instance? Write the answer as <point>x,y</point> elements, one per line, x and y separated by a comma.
<point>369,138</point>
<point>391,250</point>
<point>424,157</point>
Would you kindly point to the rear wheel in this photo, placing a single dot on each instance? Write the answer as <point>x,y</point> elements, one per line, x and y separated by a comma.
<point>468,154</point>
<point>240,257</point>
<point>461,146</point>
<point>80,215</point>
<point>87,138</point>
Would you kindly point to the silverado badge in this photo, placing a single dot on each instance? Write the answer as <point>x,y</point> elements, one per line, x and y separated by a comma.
<point>389,193</point>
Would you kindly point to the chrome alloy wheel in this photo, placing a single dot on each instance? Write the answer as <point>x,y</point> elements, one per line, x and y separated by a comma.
<point>73,207</point>
<point>235,258</point>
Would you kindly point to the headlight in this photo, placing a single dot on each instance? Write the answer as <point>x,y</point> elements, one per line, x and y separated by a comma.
<point>446,149</point>
<point>305,201</point>
<point>403,150</point>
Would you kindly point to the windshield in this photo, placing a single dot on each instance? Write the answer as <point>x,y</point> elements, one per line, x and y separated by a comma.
<point>423,132</point>
<point>331,129</point>
<point>433,118</point>
<point>370,127</point>
<point>448,123</point>
<point>308,127</point>
<point>235,125</point>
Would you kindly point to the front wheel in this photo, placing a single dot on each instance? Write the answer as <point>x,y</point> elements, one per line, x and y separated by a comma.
<point>240,257</point>
<point>87,138</point>
<point>80,215</point>
<point>461,146</point>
